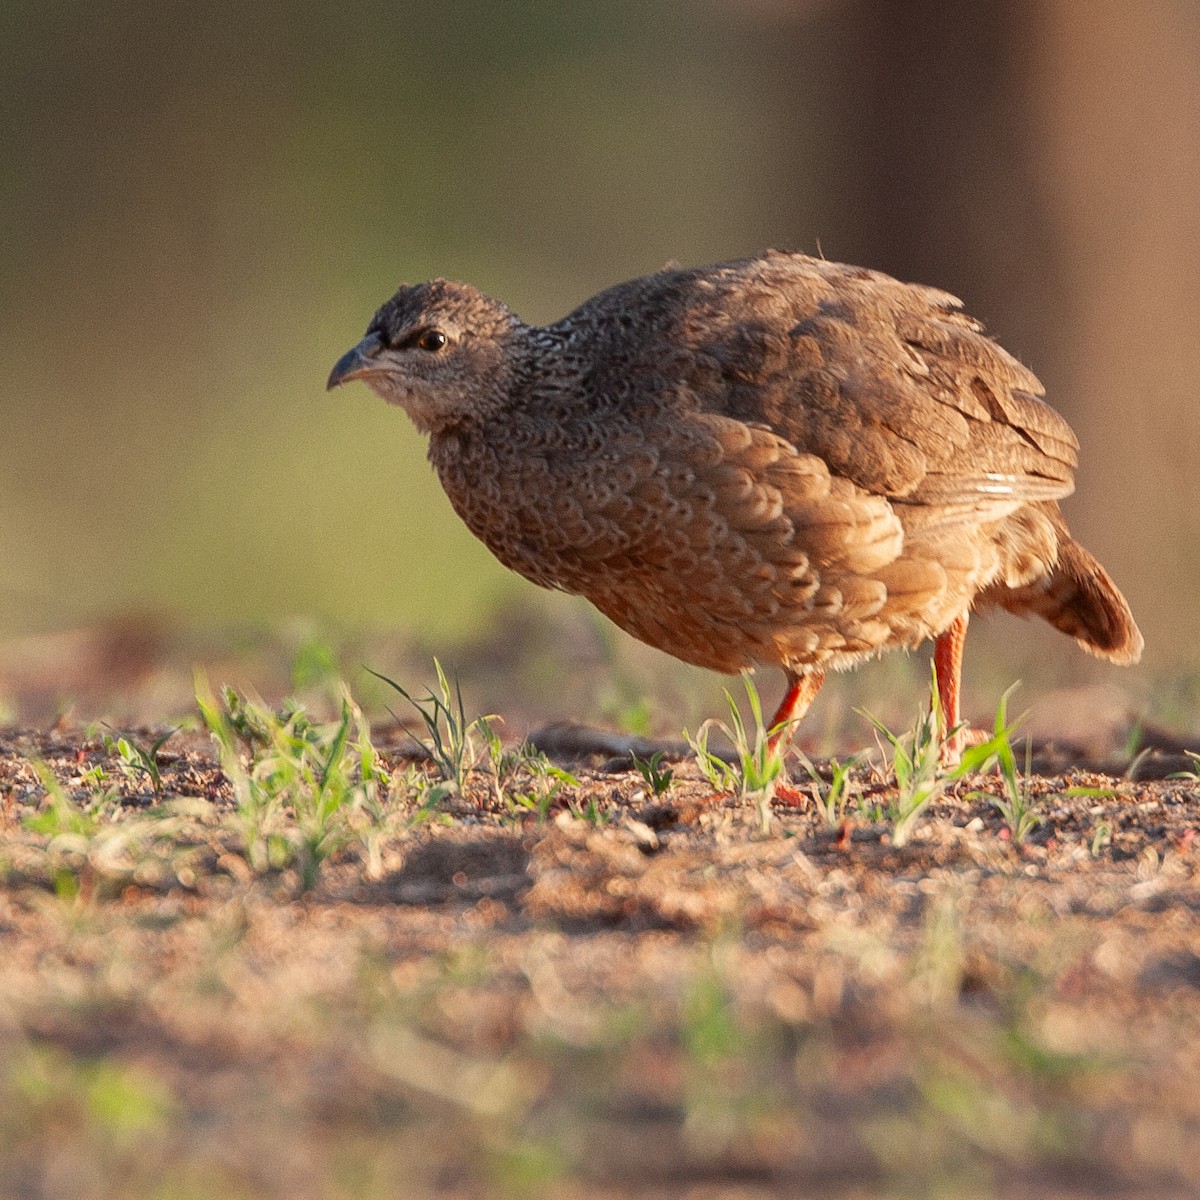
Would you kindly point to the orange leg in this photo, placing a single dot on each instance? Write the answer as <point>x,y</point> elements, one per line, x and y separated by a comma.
<point>797,700</point>
<point>947,666</point>
<point>801,692</point>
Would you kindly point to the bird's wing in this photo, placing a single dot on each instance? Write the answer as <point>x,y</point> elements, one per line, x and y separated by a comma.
<point>890,384</point>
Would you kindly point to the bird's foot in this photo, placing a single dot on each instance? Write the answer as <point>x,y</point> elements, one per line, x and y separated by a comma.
<point>789,796</point>
<point>953,745</point>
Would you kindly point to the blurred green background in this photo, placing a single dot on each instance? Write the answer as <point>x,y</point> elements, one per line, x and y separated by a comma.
<point>203,205</point>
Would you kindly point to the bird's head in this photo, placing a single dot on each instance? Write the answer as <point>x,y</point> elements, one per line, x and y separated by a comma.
<point>442,351</point>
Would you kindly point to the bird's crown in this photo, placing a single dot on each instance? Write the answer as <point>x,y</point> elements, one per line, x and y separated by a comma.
<point>454,309</point>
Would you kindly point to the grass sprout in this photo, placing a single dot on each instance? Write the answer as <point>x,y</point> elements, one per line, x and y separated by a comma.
<point>63,817</point>
<point>656,777</point>
<point>721,775</point>
<point>94,840</point>
<point>304,789</point>
<point>455,745</point>
<point>526,781</point>
<point>1101,838</point>
<point>916,763</point>
<point>1193,772</point>
<point>588,810</point>
<point>759,760</point>
<point>137,760</point>
<point>831,797</point>
<point>1016,804</point>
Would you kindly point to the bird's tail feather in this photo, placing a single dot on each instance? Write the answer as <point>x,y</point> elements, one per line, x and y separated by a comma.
<point>1079,598</point>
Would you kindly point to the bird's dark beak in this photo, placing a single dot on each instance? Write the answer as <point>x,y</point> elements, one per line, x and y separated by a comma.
<point>354,364</point>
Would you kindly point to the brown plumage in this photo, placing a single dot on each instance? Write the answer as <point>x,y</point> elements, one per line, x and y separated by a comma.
<point>778,461</point>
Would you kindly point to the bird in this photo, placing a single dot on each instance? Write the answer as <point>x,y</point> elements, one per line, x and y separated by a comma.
<point>778,461</point>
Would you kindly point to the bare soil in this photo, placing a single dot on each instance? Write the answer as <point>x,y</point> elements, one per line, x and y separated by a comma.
<point>654,998</point>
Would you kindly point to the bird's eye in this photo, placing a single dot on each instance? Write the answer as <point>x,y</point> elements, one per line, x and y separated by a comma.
<point>432,340</point>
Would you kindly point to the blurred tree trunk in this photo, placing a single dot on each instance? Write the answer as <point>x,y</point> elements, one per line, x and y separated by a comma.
<point>1041,159</point>
<point>933,180</point>
<point>1118,143</point>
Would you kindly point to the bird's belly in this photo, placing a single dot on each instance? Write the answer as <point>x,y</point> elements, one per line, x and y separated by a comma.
<point>677,572</point>
<point>735,621</point>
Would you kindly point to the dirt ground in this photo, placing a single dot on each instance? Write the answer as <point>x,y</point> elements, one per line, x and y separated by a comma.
<point>621,995</point>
